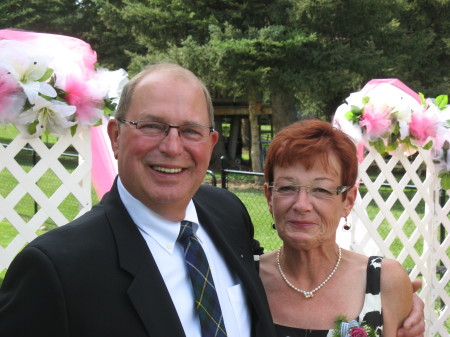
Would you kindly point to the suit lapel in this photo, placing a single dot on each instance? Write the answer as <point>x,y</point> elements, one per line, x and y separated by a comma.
<point>230,242</point>
<point>233,242</point>
<point>230,229</point>
<point>147,290</point>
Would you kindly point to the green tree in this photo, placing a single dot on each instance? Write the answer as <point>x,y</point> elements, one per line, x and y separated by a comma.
<point>52,16</point>
<point>358,40</point>
<point>428,23</point>
<point>302,57</point>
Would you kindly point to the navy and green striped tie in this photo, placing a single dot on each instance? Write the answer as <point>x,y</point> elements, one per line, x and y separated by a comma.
<point>206,300</point>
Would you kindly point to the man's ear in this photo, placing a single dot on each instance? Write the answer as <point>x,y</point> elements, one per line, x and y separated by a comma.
<point>113,133</point>
<point>214,139</point>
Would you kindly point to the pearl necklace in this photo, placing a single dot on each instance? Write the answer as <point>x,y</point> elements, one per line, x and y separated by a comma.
<point>308,294</point>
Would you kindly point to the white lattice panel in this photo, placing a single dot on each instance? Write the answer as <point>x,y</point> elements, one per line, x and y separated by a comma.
<point>411,226</point>
<point>73,188</point>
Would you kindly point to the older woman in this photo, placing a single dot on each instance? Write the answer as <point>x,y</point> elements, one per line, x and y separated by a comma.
<point>310,173</point>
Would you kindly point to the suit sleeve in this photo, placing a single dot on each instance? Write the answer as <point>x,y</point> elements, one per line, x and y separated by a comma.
<point>257,249</point>
<point>31,298</point>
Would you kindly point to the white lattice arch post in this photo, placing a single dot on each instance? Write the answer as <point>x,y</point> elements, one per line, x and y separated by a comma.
<point>75,184</point>
<point>415,225</point>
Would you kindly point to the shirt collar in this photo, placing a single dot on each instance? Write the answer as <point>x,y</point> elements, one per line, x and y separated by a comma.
<point>161,230</point>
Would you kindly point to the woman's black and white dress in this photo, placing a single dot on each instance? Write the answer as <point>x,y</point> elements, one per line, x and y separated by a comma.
<point>370,313</point>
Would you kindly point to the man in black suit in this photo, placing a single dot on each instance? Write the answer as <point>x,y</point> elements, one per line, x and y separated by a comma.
<point>118,270</point>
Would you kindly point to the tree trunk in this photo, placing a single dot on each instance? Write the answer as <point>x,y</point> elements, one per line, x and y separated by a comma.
<point>254,127</point>
<point>245,132</point>
<point>283,108</point>
<point>219,149</point>
<point>235,128</point>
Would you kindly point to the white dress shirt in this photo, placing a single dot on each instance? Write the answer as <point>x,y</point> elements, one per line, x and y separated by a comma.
<point>161,237</point>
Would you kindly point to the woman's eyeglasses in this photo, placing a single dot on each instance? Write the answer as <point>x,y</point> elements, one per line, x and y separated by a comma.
<point>318,191</point>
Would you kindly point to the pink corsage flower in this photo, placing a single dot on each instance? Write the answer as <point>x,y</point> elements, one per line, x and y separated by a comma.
<point>358,332</point>
<point>376,121</point>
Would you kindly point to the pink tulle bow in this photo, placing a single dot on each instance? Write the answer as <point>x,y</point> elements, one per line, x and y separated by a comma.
<point>80,95</point>
<point>70,55</point>
<point>376,121</point>
<point>422,127</point>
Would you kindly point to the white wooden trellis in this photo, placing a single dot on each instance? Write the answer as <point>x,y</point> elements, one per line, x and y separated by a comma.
<point>420,237</point>
<point>75,184</point>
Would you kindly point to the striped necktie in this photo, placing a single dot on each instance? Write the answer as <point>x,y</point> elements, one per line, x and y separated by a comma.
<point>206,300</point>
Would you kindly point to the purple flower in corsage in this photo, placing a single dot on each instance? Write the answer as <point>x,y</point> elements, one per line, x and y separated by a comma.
<point>346,328</point>
<point>358,332</point>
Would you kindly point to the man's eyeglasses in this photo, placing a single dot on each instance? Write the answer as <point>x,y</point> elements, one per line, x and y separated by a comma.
<point>318,191</point>
<point>190,133</point>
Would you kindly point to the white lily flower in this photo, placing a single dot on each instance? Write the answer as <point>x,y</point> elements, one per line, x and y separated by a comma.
<point>27,71</point>
<point>342,123</point>
<point>29,81</point>
<point>403,113</point>
<point>51,115</point>
<point>112,82</point>
<point>444,116</point>
<point>355,99</point>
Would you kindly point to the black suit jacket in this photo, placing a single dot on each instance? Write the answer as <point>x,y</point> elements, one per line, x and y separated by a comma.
<point>96,276</point>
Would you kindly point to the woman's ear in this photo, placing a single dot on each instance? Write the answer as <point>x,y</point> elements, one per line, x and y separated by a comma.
<point>268,195</point>
<point>350,199</point>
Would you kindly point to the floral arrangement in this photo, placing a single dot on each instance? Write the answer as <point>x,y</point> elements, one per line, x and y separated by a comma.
<point>48,83</point>
<point>392,117</point>
<point>345,328</point>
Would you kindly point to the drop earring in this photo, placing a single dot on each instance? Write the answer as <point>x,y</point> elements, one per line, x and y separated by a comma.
<point>346,225</point>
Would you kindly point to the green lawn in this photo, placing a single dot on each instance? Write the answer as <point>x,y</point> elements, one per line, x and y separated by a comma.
<point>256,205</point>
